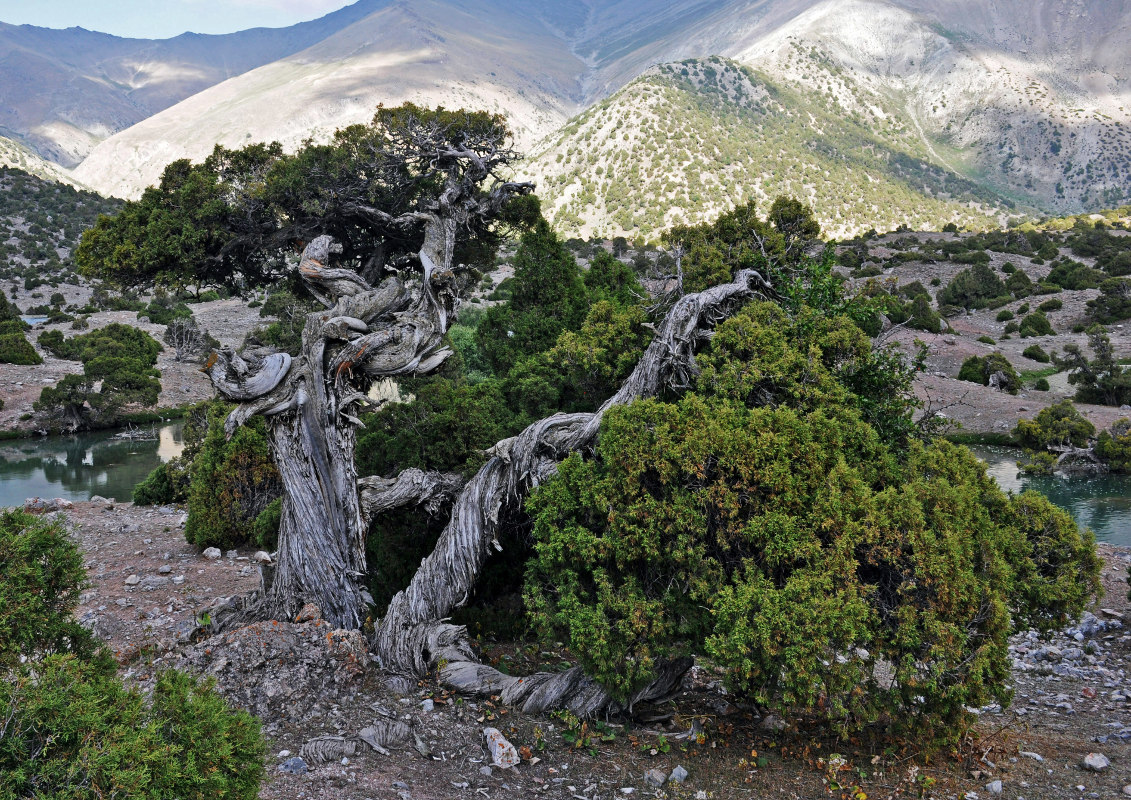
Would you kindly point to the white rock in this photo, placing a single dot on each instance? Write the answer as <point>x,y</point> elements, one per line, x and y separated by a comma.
<point>1096,762</point>
<point>994,787</point>
<point>1035,756</point>
<point>164,569</point>
<point>1127,790</point>
<point>212,553</point>
<point>503,753</point>
<point>133,580</point>
<point>426,704</point>
<point>262,556</point>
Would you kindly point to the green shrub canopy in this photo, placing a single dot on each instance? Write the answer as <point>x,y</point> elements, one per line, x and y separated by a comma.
<point>764,523</point>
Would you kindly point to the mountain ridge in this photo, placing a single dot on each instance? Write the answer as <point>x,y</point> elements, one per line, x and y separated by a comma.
<point>1028,98</point>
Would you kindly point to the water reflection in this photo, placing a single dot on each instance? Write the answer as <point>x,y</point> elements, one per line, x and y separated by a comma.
<point>1102,503</point>
<point>77,467</point>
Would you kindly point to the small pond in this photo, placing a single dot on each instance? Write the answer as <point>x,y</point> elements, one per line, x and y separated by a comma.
<point>77,467</point>
<point>1102,503</point>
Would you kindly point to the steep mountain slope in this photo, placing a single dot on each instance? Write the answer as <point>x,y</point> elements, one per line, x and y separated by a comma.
<point>14,154</point>
<point>687,141</point>
<point>1031,98</point>
<point>63,91</point>
<point>476,54</point>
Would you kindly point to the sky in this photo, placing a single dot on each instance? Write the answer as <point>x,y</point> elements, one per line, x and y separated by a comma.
<point>161,19</point>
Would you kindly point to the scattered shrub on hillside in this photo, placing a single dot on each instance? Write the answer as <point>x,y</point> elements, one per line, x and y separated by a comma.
<point>16,349</point>
<point>1036,324</point>
<point>982,369</point>
<point>1041,384</point>
<point>1004,315</point>
<point>1035,352</point>
<point>1050,305</point>
<point>972,288</point>
<point>985,340</point>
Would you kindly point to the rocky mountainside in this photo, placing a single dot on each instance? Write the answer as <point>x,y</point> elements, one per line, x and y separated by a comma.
<point>63,91</point>
<point>1026,99</point>
<point>701,136</point>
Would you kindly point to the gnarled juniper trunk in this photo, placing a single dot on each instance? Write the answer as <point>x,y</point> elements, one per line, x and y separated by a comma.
<point>309,401</point>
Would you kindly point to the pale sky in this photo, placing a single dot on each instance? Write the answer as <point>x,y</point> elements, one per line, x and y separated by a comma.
<point>161,19</point>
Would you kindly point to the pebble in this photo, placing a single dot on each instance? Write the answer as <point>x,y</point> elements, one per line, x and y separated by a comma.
<point>486,772</point>
<point>1096,762</point>
<point>178,579</point>
<point>231,554</point>
<point>503,753</point>
<point>293,766</point>
<point>679,775</point>
<point>994,787</point>
<point>133,580</point>
<point>164,569</point>
<point>212,553</point>
<point>655,778</point>
<point>427,704</point>
<point>1127,790</point>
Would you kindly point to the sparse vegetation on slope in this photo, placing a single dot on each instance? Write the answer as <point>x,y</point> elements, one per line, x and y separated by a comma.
<point>702,136</point>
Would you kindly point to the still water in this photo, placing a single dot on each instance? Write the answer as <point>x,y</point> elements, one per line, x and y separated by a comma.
<point>1102,503</point>
<point>77,467</point>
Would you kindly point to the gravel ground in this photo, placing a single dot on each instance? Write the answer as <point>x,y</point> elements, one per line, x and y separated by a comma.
<point>308,683</point>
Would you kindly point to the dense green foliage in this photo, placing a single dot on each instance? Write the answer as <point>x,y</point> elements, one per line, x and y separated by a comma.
<point>980,369</point>
<point>233,219</point>
<point>740,239</point>
<point>41,579</point>
<point>1056,426</point>
<point>1037,353</point>
<point>1113,446</point>
<point>548,297</point>
<point>120,356</point>
<point>233,482</point>
<point>71,729</point>
<point>764,522</point>
<point>16,349</point>
<point>975,287</point>
<point>1035,324</point>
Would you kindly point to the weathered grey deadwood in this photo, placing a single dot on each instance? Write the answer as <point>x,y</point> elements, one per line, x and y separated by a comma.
<point>413,636</point>
<point>395,327</point>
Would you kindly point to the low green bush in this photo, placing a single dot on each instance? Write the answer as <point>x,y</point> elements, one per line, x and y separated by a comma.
<point>233,482</point>
<point>70,728</point>
<point>985,340</point>
<point>1035,352</point>
<point>265,529</point>
<point>157,488</point>
<point>1051,305</point>
<point>1035,324</point>
<point>1005,315</point>
<point>1041,384</point>
<point>16,349</point>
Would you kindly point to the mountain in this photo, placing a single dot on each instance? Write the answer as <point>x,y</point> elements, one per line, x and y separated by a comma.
<point>63,91</point>
<point>698,137</point>
<point>998,103</point>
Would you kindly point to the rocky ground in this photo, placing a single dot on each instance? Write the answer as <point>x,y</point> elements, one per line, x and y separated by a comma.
<point>322,700</point>
<point>182,382</point>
